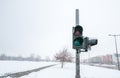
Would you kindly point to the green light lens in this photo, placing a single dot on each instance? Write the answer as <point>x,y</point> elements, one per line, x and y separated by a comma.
<point>76,43</point>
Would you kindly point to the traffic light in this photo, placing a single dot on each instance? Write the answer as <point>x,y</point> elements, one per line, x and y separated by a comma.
<point>77,37</point>
<point>93,42</point>
<point>87,43</point>
<point>81,42</point>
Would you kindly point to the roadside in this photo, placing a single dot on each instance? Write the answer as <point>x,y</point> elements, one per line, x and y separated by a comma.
<point>22,73</point>
<point>104,65</point>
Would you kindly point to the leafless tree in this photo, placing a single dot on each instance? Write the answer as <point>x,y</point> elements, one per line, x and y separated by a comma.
<point>64,56</point>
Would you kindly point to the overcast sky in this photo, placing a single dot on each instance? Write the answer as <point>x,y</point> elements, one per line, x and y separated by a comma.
<point>43,27</point>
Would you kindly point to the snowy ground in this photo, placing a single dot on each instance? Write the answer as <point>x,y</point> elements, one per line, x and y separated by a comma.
<point>56,72</point>
<point>17,66</point>
<point>69,72</point>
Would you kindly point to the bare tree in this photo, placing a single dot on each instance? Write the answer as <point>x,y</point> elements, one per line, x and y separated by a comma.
<point>2,57</point>
<point>64,56</point>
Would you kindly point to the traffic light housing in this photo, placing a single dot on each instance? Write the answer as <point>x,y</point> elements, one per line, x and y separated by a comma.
<point>93,42</point>
<point>77,37</point>
<point>87,43</point>
<point>81,42</point>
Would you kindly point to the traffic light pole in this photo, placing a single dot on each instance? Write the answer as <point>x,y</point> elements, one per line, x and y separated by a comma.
<point>77,16</point>
<point>77,50</point>
<point>77,63</point>
<point>80,43</point>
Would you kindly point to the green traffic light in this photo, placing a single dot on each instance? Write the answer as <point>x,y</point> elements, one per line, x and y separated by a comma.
<point>78,41</point>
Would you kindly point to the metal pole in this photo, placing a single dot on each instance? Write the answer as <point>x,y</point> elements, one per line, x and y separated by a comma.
<point>77,64</point>
<point>88,57</point>
<point>118,64</point>
<point>77,16</point>
<point>77,50</point>
<point>117,53</point>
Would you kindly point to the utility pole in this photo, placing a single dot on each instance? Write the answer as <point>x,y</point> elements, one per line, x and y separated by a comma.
<point>118,64</point>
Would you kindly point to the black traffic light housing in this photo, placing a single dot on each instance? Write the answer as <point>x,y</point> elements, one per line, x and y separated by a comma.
<point>81,42</point>
<point>93,42</point>
<point>87,43</point>
<point>77,37</point>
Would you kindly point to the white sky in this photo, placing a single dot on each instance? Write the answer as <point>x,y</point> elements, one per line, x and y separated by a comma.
<point>44,27</point>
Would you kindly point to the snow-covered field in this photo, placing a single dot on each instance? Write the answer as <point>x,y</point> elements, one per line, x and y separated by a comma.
<point>17,66</point>
<point>69,72</point>
<point>56,71</point>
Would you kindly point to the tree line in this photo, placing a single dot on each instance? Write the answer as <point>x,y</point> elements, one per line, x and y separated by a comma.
<point>61,56</point>
<point>20,58</point>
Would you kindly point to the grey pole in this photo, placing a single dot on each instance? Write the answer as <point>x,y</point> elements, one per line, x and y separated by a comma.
<point>77,16</point>
<point>118,64</point>
<point>77,50</point>
<point>117,53</point>
<point>77,64</point>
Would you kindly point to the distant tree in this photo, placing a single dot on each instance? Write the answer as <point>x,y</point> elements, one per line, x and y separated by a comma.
<point>2,57</point>
<point>20,58</point>
<point>47,58</point>
<point>37,58</point>
<point>64,56</point>
<point>31,57</point>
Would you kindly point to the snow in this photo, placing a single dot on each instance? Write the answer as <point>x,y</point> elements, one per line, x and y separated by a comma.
<point>17,66</point>
<point>57,72</point>
<point>54,72</point>
<point>98,72</point>
<point>69,72</point>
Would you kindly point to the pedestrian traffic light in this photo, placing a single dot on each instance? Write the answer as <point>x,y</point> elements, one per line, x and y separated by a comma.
<point>77,37</point>
<point>93,42</point>
<point>87,43</point>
